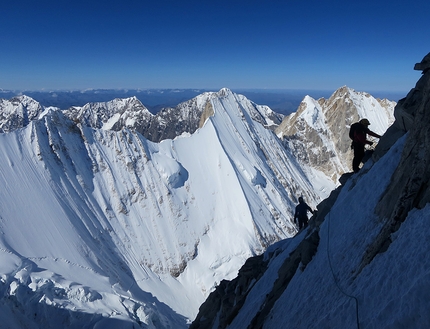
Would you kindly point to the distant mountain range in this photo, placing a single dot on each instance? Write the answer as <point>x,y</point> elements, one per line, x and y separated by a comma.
<point>154,99</point>
<point>279,100</point>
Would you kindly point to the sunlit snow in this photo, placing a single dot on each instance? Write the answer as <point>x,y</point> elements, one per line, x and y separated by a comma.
<point>106,227</point>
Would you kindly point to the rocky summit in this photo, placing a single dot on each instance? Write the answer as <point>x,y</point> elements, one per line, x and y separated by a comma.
<point>318,132</point>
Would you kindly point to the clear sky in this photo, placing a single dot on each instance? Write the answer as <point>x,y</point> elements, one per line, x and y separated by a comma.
<point>76,44</point>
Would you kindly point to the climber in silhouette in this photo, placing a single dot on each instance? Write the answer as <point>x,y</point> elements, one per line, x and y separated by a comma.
<point>358,133</point>
<point>301,213</point>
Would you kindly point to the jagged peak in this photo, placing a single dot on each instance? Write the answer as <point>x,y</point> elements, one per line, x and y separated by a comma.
<point>342,92</point>
<point>224,92</point>
<point>126,100</point>
<point>24,98</point>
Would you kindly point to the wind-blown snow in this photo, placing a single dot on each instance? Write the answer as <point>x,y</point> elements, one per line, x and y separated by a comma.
<point>105,227</point>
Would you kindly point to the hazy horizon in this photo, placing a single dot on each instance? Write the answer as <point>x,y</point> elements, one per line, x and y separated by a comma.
<point>283,101</point>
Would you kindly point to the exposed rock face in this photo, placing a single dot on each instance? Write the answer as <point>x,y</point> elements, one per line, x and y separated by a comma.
<point>207,112</point>
<point>224,303</point>
<point>424,65</point>
<point>410,183</point>
<point>412,177</point>
<point>318,132</point>
<point>18,112</point>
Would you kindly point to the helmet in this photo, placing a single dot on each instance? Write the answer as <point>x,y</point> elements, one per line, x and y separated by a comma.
<point>300,199</point>
<point>364,122</point>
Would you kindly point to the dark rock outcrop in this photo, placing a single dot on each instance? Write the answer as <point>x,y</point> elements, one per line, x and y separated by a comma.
<point>424,65</point>
<point>223,304</point>
<point>226,301</point>
<point>410,182</point>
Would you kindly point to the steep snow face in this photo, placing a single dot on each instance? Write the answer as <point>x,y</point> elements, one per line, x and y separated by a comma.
<point>135,231</point>
<point>318,132</point>
<point>259,113</point>
<point>341,287</point>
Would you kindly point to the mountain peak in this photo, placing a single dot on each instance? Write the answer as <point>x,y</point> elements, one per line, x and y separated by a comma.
<point>325,123</point>
<point>224,92</point>
<point>18,112</point>
<point>343,91</point>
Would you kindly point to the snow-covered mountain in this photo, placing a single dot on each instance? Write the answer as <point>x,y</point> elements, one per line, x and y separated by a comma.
<point>166,124</point>
<point>18,112</point>
<point>363,262</point>
<point>112,115</point>
<point>104,228</point>
<point>318,132</point>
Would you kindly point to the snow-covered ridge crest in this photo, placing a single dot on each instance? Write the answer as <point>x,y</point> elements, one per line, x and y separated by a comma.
<point>190,115</point>
<point>260,113</point>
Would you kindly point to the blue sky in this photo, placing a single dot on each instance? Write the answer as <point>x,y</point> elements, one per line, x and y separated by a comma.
<point>322,45</point>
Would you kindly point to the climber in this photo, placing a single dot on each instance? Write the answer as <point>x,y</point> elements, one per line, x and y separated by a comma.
<point>301,213</point>
<point>358,133</point>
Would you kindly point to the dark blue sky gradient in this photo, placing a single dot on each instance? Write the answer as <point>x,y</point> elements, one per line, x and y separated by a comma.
<point>366,45</point>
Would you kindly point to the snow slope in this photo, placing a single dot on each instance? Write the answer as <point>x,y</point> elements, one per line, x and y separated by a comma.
<point>337,287</point>
<point>100,228</point>
<point>332,282</point>
<point>363,260</point>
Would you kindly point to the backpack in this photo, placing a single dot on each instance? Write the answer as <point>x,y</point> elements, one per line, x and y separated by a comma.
<point>353,129</point>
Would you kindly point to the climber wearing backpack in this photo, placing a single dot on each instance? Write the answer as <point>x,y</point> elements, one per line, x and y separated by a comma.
<point>358,133</point>
<point>301,213</point>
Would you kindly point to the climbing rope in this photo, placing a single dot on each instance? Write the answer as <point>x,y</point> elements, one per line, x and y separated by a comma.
<point>334,277</point>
